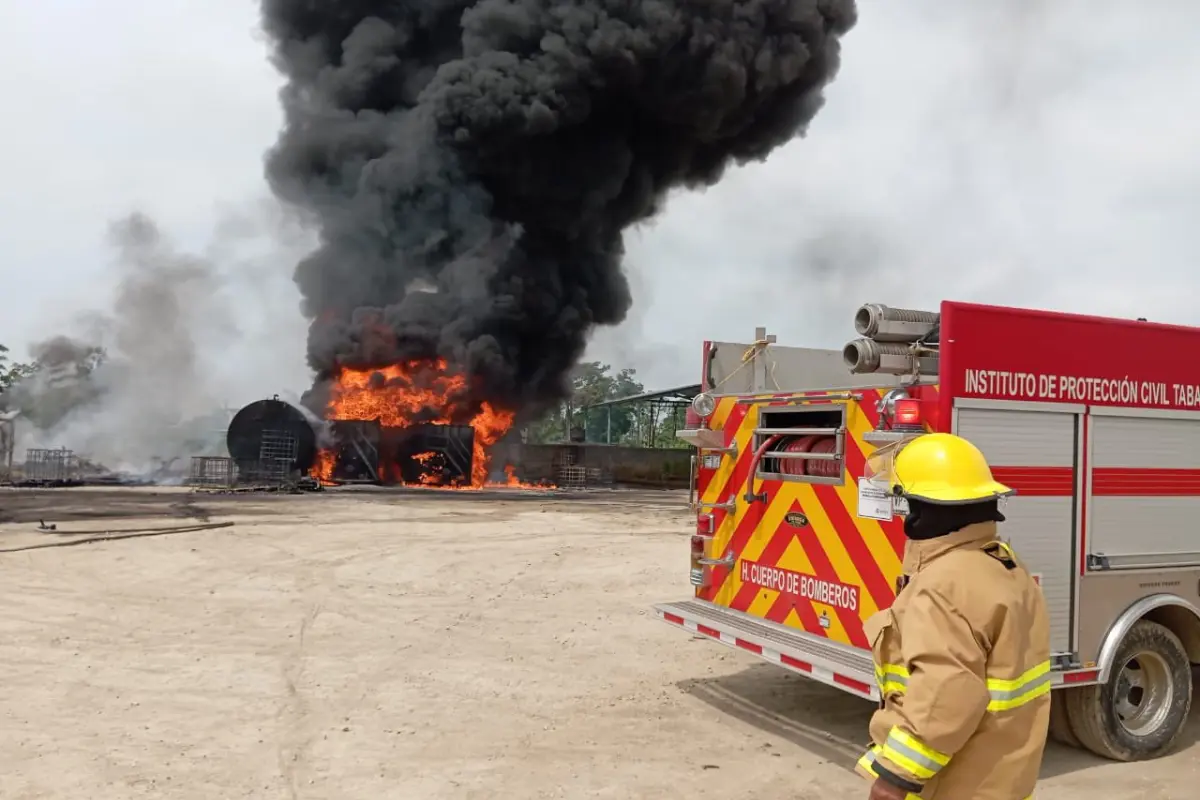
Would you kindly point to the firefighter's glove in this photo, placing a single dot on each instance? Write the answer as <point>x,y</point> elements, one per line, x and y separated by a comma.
<point>882,790</point>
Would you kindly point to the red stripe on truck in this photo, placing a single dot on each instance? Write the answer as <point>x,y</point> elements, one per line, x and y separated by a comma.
<point>850,683</point>
<point>1106,481</point>
<point>1037,481</point>
<point>750,646</point>
<point>795,663</point>
<point>1145,482</point>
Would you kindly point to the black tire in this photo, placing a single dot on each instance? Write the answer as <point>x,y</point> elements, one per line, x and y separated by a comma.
<point>1141,711</point>
<point>1060,721</point>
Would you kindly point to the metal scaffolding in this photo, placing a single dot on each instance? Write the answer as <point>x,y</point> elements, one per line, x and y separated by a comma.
<point>50,466</point>
<point>213,472</point>
<point>276,455</point>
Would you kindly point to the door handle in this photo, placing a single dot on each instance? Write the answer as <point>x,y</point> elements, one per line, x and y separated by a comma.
<point>726,562</point>
<point>692,484</point>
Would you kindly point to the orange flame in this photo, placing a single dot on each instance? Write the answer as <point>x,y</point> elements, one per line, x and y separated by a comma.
<point>415,393</point>
<point>323,468</point>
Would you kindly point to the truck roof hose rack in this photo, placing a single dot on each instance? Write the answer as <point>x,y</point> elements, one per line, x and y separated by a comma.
<point>896,341</point>
<point>885,324</point>
<point>867,355</point>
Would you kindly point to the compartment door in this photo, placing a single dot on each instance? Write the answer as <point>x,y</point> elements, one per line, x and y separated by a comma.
<point>1036,453</point>
<point>1145,491</point>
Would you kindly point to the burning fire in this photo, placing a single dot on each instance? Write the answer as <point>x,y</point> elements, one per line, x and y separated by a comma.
<point>403,395</point>
<point>323,468</point>
<point>430,462</point>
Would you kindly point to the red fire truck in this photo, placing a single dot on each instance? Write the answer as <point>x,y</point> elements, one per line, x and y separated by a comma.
<point>1094,422</point>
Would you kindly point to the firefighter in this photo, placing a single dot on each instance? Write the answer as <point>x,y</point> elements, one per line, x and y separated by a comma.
<point>963,655</point>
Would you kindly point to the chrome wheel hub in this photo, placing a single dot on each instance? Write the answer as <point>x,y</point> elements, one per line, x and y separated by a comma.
<point>1143,693</point>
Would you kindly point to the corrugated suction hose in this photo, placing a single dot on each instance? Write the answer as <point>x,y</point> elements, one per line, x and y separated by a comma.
<point>863,355</point>
<point>868,318</point>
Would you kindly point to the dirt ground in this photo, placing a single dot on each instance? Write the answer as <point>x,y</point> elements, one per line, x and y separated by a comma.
<point>390,644</point>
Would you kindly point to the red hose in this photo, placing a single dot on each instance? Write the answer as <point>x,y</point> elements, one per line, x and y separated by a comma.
<point>825,468</point>
<point>758,454</point>
<point>797,467</point>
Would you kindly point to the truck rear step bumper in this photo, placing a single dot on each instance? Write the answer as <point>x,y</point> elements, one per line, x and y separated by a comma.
<point>846,668</point>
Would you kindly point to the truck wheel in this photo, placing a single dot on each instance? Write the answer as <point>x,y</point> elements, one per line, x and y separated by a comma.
<point>1060,722</point>
<point>1142,709</point>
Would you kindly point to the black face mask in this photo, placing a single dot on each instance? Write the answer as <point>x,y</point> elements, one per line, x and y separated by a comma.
<point>929,521</point>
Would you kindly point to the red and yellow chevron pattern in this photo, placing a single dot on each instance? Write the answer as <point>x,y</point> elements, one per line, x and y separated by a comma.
<point>834,568</point>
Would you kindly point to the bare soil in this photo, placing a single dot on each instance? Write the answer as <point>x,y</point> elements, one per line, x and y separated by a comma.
<point>401,644</point>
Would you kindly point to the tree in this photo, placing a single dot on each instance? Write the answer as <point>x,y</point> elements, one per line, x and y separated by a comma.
<point>654,425</point>
<point>65,368</point>
<point>591,383</point>
<point>11,372</point>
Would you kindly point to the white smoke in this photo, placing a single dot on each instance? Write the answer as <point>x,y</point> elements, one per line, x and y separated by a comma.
<point>186,340</point>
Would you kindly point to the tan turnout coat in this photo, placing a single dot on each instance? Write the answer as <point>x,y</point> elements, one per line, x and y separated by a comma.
<point>963,663</point>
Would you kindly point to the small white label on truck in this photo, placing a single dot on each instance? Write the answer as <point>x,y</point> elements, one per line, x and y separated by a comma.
<point>874,500</point>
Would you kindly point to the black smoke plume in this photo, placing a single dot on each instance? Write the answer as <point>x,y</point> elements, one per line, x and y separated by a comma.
<point>472,165</point>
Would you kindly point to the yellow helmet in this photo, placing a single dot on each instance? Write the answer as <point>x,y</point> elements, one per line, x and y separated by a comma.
<point>944,469</point>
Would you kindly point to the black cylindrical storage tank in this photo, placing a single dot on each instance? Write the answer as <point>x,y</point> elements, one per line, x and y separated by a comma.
<point>245,436</point>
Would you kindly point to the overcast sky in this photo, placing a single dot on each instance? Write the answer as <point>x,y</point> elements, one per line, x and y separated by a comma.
<point>997,152</point>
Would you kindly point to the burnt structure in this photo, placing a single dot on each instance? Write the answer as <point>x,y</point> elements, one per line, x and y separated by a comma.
<point>272,442</point>
<point>356,450</point>
<point>435,455</point>
<point>431,455</point>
